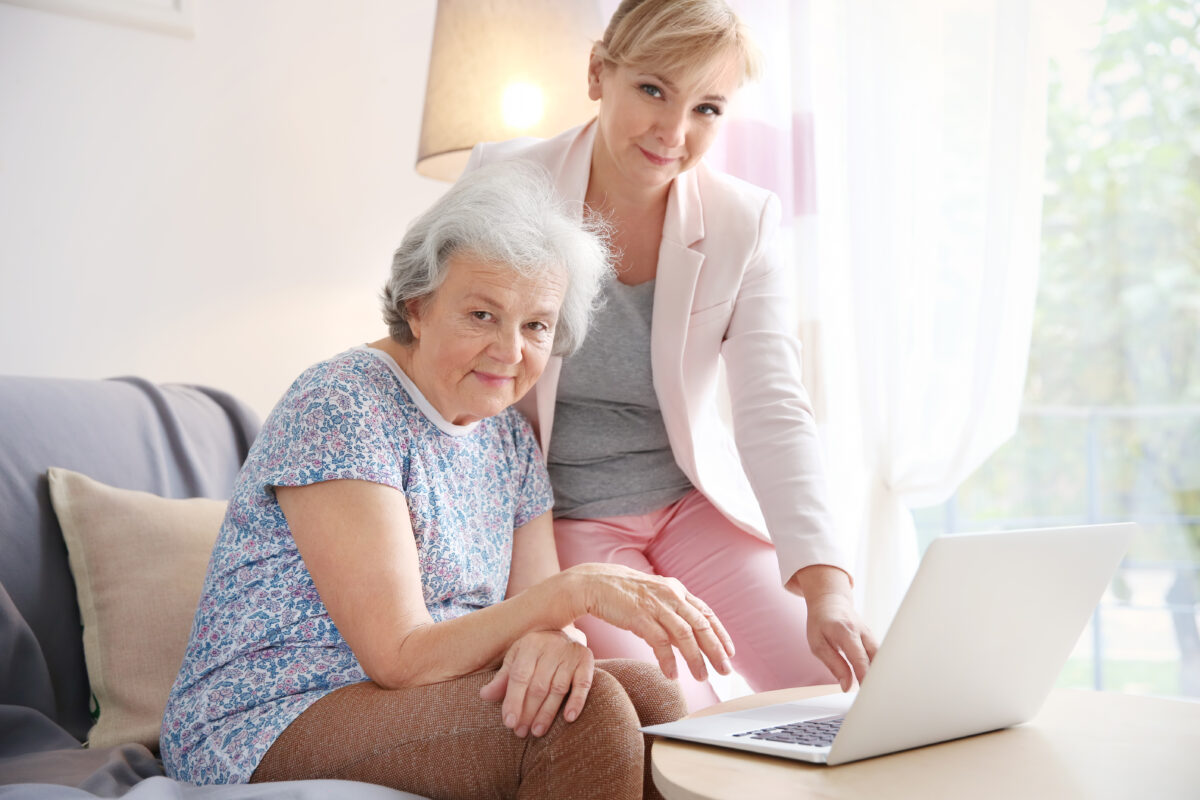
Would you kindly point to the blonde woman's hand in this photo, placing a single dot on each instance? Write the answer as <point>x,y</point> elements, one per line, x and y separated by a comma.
<point>662,612</point>
<point>838,637</point>
<point>836,633</point>
<point>540,670</point>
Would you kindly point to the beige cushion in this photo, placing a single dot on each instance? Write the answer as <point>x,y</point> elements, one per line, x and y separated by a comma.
<point>139,562</point>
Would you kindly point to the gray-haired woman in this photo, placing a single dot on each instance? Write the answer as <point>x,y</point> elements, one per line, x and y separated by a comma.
<point>386,572</point>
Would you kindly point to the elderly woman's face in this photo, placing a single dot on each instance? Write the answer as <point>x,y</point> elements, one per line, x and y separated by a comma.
<point>483,338</point>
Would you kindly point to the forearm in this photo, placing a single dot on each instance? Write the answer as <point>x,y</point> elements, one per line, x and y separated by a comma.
<point>441,651</point>
<point>774,423</point>
<point>535,560</point>
<point>357,542</point>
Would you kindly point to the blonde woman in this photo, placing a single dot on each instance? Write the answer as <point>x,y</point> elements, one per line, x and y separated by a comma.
<point>645,474</point>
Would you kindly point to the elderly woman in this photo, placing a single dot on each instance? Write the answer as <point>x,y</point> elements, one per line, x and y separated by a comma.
<point>383,601</point>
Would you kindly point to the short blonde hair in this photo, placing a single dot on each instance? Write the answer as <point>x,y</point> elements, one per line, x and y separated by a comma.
<point>677,36</point>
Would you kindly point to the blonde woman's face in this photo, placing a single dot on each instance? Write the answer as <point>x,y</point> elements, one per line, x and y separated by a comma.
<point>652,125</point>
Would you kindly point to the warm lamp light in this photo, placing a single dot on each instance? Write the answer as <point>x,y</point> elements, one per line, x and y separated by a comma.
<point>521,106</point>
<point>501,69</point>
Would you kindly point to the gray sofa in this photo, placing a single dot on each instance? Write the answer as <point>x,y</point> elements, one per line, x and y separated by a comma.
<point>172,440</point>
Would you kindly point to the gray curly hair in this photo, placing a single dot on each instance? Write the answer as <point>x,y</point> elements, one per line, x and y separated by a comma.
<point>507,213</point>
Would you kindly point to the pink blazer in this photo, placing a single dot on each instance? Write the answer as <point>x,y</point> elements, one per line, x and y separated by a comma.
<point>720,292</point>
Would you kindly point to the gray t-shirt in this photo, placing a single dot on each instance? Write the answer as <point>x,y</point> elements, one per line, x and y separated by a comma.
<point>609,454</point>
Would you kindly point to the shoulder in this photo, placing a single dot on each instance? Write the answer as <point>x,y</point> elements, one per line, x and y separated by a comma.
<point>344,417</point>
<point>491,152</point>
<point>544,151</point>
<point>732,204</point>
<point>350,372</point>
<point>351,384</point>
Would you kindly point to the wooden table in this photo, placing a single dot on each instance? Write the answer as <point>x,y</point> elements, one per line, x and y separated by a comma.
<point>1080,745</point>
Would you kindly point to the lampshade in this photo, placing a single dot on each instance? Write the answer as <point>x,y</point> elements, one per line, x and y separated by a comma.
<point>501,69</point>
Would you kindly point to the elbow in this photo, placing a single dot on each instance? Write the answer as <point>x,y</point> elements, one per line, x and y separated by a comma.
<point>386,676</point>
<point>397,666</point>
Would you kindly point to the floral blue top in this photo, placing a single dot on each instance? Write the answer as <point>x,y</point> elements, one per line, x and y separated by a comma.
<point>263,648</point>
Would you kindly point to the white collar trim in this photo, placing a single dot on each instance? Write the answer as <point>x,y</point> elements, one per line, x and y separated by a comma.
<point>441,423</point>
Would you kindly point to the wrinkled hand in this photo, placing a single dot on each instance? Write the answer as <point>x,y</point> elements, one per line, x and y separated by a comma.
<point>537,673</point>
<point>838,637</point>
<point>662,612</point>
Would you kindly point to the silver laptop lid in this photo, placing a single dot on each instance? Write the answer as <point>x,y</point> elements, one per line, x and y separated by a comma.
<point>981,636</point>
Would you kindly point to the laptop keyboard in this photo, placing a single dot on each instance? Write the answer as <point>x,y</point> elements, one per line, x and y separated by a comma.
<point>812,732</point>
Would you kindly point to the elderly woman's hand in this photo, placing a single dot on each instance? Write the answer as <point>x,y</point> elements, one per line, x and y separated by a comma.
<point>662,612</point>
<point>538,671</point>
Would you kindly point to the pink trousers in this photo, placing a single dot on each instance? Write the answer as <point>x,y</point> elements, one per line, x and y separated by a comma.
<point>734,572</point>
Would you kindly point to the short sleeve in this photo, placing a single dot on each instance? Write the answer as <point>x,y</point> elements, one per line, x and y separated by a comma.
<point>331,425</point>
<point>534,495</point>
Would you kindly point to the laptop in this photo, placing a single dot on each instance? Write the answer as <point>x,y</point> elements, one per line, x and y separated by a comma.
<point>976,645</point>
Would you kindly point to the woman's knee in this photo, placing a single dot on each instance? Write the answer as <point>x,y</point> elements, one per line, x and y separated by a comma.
<point>608,726</point>
<point>600,754</point>
<point>655,697</point>
<point>610,708</point>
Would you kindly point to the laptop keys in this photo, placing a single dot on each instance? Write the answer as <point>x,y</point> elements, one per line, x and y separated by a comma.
<point>811,732</point>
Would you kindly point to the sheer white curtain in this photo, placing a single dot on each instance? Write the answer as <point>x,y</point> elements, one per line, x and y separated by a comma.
<point>906,139</point>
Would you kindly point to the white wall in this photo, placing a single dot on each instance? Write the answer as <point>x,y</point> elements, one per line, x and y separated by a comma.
<point>220,210</point>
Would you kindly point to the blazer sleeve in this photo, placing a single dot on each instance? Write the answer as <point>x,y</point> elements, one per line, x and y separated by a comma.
<point>773,422</point>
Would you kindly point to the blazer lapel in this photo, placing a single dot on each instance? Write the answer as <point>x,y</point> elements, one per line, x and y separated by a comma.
<point>675,285</point>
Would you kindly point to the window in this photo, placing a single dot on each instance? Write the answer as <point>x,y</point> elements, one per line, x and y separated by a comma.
<point>1110,426</point>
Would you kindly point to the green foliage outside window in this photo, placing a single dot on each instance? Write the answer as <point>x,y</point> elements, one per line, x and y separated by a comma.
<point>1111,421</point>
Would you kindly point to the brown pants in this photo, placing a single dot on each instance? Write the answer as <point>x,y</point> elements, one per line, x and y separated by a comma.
<point>443,741</point>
